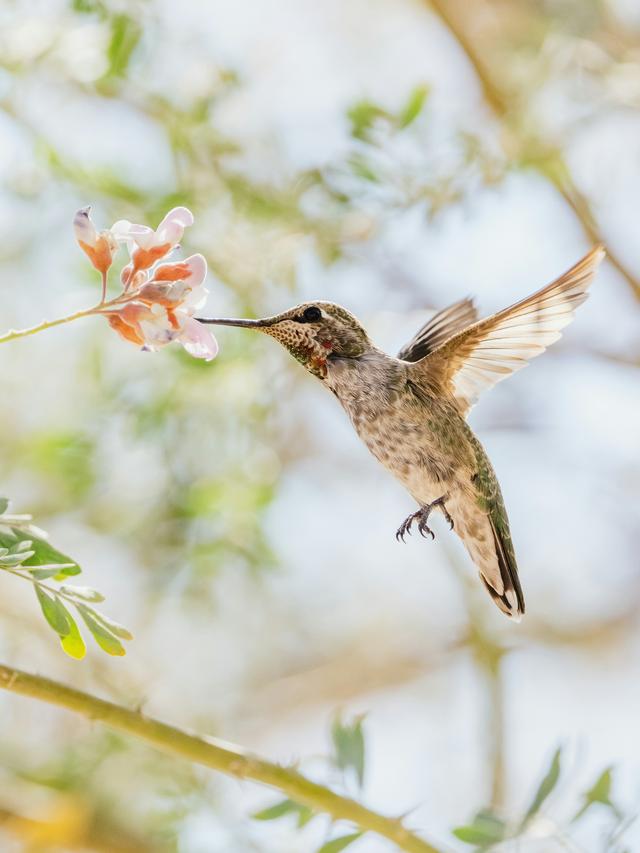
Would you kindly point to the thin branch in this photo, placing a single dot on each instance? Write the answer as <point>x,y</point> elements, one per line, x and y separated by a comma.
<point>14,334</point>
<point>101,309</point>
<point>500,104</point>
<point>495,691</point>
<point>211,753</point>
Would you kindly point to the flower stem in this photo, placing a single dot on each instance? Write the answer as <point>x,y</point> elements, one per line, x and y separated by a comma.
<point>101,308</point>
<point>14,334</point>
<point>212,753</point>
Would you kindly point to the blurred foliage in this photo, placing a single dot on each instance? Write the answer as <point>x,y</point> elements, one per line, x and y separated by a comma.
<point>487,830</point>
<point>212,443</point>
<point>347,755</point>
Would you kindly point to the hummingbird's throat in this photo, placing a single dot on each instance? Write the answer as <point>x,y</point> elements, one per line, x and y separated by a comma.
<point>304,346</point>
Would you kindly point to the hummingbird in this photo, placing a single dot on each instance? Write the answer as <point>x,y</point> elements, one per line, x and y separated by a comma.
<point>410,410</point>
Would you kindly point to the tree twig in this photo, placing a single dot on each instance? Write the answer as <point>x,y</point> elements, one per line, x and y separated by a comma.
<point>212,753</point>
<point>500,103</point>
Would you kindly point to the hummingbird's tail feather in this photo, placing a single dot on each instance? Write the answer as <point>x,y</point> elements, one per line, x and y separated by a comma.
<point>484,529</point>
<point>511,600</point>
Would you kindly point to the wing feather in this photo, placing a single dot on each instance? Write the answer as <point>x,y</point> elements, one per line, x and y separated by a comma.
<point>477,357</point>
<point>438,329</point>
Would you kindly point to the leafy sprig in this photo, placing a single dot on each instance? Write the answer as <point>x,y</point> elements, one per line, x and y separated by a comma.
<point>25,553</point>
<point>347,757</point>
<point>487,830</point>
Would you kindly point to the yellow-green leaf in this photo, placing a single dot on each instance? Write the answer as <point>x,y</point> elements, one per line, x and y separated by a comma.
<point>104,638</point>
<point>73,644</point>
<point>54,612</point>
<point>338,844</point>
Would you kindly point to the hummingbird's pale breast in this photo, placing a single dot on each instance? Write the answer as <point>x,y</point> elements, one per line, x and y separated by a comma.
<point>420,440</point>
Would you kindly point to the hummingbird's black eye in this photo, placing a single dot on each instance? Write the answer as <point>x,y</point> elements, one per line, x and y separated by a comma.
<point>310,315</point>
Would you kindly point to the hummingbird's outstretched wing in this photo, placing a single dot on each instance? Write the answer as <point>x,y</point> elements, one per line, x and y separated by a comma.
<point>483,354</point>
<point>438,329</point>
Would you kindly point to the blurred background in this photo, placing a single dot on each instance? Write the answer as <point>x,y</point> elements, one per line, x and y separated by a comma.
<point>393,156</point>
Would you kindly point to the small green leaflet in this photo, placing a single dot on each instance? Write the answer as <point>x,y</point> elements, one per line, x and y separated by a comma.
<point>485,830</point>
<point>43,554</point>
<point>349,748</point>
<point>125,36</point>
<point>338,844</point>
<point>362,116</point>
<point>12,560</point>
<point>547,785</point>
<point>86,593</point>
<point>73,644</point>
<point>286,807</point>
<point>103,637</point>
<point>112,626</point>
<point>54,612</point>
<point>4,505</point>
<point>600,792</point>
<point>414,106</point>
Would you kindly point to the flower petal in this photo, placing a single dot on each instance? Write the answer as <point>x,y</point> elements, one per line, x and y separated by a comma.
<point>197,270</point>
<point>195,300</point>
<point>172,226</point>
<point>167,293</point>
<point>83,227</point>
<point>193,271</point>
<point>198,340</point>
<point>130,233</point>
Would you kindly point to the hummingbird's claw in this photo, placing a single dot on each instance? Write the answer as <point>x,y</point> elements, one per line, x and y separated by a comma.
<point>404,528</point>
<point>422,517</point>
<point>425,530</point>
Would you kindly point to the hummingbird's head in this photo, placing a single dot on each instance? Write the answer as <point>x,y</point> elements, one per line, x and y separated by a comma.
<point>312,332</point>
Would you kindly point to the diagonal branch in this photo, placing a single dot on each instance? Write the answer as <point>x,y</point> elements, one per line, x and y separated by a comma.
<point>500,103</point>
<point>212,753</point>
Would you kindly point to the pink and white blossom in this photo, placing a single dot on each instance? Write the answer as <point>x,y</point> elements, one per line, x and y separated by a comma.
<point>157,303</point>
<point>148,246</point>
<point>99,246</point>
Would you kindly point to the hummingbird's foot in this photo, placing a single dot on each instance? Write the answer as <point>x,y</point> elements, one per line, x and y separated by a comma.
<point>440,502</point>
<point>422,517</point>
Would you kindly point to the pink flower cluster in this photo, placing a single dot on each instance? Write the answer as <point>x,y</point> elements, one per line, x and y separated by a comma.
<point>158,300</point>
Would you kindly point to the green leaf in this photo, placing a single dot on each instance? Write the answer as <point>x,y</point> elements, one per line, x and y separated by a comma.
<point>125,36</point>
<point>4,505</point>
<point>43,574</point>
<point>73,644</point>
<point>104,638</point>
<point>362,169</point>
<point>54,612</point>
<point>486,829</point>
<point>11,560</point>
<point>600,792</point>
<point>338,844</point>
<point>21,547</point>
<point>113,626</point>
<point>305,814</point>
<point>86,593</point>
<point>44,553</point>
<point>362,115</point>
<point>547,785</point>
<point>285,807</point>
<point>349,748</point>
<point>278,810</point>
<point>412,109</point>
<point>86,6</point>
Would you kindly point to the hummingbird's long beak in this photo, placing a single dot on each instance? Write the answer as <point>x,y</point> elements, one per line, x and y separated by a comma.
<point>243,324</point>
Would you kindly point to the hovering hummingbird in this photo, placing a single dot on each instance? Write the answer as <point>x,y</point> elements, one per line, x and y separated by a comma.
<point>410,410</point>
